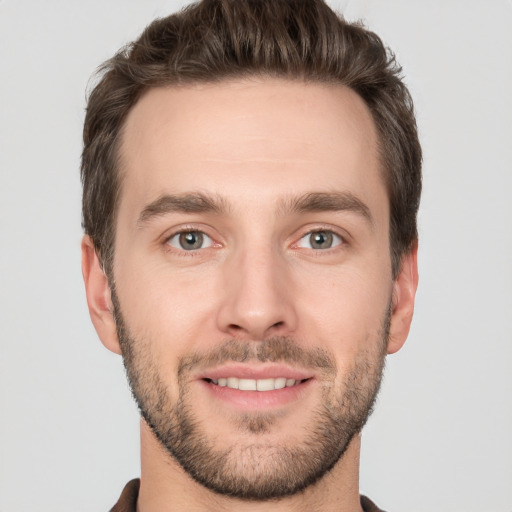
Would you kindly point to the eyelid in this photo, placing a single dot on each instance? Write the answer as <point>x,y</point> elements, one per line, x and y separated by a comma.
<point>176,231</point>
<point>179,233</point>
<point>344,238</point>
<point>205,231</point>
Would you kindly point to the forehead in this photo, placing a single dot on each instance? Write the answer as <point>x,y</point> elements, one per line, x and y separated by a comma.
<point>250,141</point>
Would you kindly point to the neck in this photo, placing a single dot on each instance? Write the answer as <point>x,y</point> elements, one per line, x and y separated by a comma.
<point>165,487</point>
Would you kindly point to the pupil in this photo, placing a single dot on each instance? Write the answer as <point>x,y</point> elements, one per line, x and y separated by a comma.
<point>321,240</point>
<point>192,240</point>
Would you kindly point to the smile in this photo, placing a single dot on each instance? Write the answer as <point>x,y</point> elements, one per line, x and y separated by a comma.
<point>251,387</point>
<point>255,384</point>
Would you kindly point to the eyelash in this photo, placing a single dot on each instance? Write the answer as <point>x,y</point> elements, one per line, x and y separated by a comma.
<point>195,252</point>
<point>184,252</point>
<point>341,239</point>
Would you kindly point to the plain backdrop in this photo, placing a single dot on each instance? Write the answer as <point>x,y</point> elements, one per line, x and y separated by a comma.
<point>441,437</point>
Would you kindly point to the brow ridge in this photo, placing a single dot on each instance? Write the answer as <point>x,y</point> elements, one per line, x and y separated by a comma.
<point>196,202</point>
<point>326,201</point>
<point>200,202</point>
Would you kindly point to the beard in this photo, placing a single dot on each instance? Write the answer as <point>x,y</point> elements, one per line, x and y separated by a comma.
<point>255,468</point>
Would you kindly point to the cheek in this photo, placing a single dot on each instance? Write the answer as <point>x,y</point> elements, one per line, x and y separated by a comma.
<point>344,309</point>
<point>172,309</point>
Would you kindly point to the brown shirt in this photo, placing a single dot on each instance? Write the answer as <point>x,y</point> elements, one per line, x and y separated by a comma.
<point>128,500</point>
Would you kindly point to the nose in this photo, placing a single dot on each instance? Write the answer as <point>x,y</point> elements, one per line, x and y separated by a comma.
<point>257,296</point>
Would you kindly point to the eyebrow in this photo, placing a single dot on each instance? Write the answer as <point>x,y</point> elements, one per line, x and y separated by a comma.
<point>327,202</point>
<point>196,202</point>
<point>199,202</point>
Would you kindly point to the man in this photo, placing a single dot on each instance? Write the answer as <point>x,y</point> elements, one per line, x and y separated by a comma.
<point>251,177</point>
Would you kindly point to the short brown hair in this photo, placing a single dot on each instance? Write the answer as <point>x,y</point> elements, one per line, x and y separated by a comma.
<point>214,40</point>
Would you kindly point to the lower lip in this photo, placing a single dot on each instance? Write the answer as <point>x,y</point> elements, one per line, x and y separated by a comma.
<point>257,399</point>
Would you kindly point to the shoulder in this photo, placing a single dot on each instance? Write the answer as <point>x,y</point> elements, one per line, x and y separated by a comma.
<point>128,500</point>
<point>368,505</point>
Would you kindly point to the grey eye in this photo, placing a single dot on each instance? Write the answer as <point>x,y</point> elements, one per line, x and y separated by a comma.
<point>320,240</point>
<point>190,240</point>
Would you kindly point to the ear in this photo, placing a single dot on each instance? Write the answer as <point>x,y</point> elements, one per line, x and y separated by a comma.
<point>99,301</point>
<point>404,291</point>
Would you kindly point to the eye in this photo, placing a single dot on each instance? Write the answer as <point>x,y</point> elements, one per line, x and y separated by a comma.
<point>190,240</point>
<point>320,240</point>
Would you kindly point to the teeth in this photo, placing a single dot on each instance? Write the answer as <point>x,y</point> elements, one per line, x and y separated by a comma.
<point>280,383</point>
<point>265,384</point>
<point>247,385</point>
<point>255,384</point>
<point>233,382</point>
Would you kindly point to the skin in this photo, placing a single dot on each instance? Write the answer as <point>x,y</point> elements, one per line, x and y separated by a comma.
<point>259,278</point>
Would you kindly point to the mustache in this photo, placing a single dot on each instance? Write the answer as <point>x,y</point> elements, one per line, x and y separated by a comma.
<point>279,349</point>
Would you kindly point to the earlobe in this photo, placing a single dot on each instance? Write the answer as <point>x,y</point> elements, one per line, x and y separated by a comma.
<point>97,290</point>
<point>404,292</point>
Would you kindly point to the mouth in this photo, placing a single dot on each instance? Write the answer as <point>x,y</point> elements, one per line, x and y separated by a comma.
<point>256,387</point>
<point>262,385</point>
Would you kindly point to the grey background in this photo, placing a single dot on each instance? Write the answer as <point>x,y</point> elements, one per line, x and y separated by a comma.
<point>440,437</point>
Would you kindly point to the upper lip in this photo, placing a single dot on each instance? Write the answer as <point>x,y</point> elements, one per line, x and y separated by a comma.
<point>256,371</point>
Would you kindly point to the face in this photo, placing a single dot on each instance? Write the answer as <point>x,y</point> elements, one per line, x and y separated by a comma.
<point>253,288</point>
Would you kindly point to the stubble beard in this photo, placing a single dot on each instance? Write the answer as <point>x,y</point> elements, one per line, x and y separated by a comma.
<point>259,469</point>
